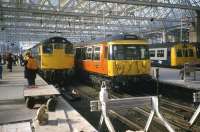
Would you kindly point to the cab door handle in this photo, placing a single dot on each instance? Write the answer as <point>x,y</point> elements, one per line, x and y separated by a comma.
<point>96,65</point>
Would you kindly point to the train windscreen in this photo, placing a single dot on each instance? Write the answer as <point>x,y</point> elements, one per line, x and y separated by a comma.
<point>68,49</point>
<point>58,46</point>
<point>47,49</point>
<point>129,52</point>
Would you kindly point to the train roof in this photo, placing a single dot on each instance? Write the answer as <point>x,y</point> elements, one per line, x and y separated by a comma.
<point>116,37</point>
<point>165,45</point>
<point>56,40</point>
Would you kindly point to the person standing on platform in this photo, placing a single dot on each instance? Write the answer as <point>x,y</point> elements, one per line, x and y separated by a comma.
<point>31,68</point>
<point>0,59</point>
<point>1,70</point>
<point>21,59</point>
<point>4,59</point>
<point>10,62</point>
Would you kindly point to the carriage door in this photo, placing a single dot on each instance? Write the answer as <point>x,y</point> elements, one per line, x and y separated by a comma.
<point>97,59</point>
<point>198,51</point>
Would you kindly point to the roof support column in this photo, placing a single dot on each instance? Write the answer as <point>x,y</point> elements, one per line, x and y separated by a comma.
<point>198,26</point>
<point>164,37</point>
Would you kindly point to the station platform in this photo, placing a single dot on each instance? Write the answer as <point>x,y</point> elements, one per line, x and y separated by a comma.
<point>171,76</point>
<point>16,117</point>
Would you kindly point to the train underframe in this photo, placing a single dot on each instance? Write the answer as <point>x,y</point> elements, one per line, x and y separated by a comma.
<point>117,82</point>
<point>60,77</point>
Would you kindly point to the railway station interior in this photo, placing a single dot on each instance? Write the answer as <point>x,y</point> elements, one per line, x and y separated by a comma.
<point>99,65</point>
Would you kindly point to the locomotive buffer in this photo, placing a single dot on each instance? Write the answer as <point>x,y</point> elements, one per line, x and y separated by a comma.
<point>44,94</point>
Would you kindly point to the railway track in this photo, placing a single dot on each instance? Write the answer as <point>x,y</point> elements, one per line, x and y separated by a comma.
<point>135,118</point>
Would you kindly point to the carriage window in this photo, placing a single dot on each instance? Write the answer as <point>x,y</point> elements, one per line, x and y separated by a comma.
<point>68,49</point>
<point>178,53</point>
<point>96,53</point>
<point>58,46</point>
<point>185,53</point>
<point>80,53</point>
<point>190,53</point>
<point>152,53</point>
<point>47,49</point>
<point>160,53</point>
<point>89,53</point>
<point>83,50</point>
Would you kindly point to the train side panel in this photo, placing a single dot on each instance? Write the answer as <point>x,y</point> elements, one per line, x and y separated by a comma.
<point>98,62</point>
<point>182,54</point>
<point>128,67</point>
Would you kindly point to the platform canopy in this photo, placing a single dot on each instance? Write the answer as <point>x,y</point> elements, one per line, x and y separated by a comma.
<point>82,20</point>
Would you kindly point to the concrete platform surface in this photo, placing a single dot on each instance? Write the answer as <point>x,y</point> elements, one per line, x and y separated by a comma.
<point>64,119</point>
<point>13,111</point>
<point>13,83</point>
<point>45,90</point>
<point>16,127</point>
<point>171,76</point>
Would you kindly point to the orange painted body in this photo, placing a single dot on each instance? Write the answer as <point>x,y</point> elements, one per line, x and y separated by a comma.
<point>97,66</point>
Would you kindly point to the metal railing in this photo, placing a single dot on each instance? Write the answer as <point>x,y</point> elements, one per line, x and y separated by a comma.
<point>187,71</point>
<point>104,104</point>
<point>196,99</point>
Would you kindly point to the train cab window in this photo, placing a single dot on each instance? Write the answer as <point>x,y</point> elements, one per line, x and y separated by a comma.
<point>190,53</point>
<point>58,46</point>
<point>89,53</point>
<point>144,51</point>
<point>129,52</point>
<point>68,49</point>
<point>160,53</point>
<point>118,52</point>
<point>179,53</point>
<point>96,55</point>
<point>152,53</point>
<point>47,49</point>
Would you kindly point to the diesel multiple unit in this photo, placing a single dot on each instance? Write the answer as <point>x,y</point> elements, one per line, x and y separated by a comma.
<point>120,60</point>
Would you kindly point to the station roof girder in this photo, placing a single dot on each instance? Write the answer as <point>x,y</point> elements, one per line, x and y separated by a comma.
<point>94,17</point>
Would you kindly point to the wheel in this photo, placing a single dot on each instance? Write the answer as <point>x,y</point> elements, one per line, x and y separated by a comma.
<point>30,102</point>
<point>51,104</point>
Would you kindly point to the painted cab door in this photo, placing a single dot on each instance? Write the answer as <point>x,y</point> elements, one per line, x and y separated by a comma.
<point>99,59</point>
<point>96,59</point>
